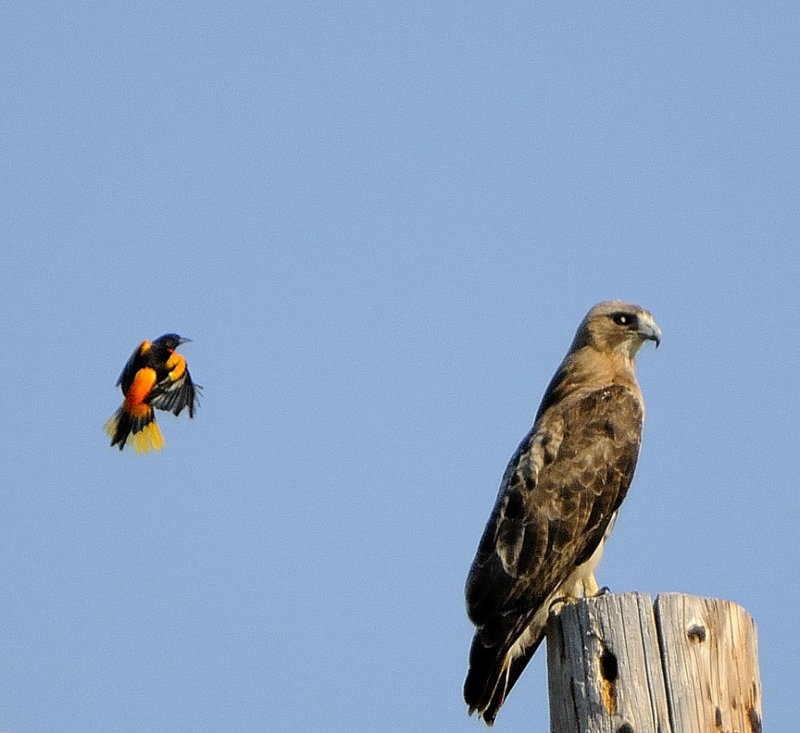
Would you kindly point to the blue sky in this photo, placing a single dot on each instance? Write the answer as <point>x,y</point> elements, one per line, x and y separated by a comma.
<point>381,225</point>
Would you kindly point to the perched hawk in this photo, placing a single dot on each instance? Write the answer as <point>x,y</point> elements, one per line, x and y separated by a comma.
<point>557,500</point>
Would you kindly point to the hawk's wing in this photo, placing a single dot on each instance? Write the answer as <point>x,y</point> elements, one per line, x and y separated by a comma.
<point>558,495</point>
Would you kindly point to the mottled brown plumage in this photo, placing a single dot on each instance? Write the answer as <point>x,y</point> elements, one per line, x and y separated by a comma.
<point>557,501</point>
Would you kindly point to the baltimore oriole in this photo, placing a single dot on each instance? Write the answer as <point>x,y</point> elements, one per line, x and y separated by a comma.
<point>154,377</point>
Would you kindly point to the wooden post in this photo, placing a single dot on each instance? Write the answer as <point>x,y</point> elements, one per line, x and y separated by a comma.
<point>620,664</point>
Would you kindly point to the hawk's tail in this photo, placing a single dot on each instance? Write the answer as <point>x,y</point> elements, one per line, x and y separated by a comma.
<point>493,671</point>
<point>140,426</point>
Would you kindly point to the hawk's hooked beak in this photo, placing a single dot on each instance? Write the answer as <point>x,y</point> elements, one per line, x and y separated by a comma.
<point>648,328</point>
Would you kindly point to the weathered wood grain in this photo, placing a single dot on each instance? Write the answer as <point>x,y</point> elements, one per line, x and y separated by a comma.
<point>621,664</point>
<point>710,656</point>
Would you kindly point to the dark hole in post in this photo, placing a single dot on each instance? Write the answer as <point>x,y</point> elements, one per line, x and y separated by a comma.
<point>608,666</point>
<point>755,720</point>
<point>697,633</point>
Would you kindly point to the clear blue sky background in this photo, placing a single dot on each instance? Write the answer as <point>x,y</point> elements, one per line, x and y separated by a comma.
<point>380,224</point>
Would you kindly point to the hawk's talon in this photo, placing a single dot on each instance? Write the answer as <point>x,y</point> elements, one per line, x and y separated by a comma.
<point>561,600</point>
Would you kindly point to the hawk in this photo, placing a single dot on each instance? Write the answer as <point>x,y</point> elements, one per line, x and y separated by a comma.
<point>557,501</point>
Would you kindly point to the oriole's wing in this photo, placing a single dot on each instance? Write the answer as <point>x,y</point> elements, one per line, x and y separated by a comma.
<point>136,362</point>
<point>558,495</point>
<point>174,396</point>
<point>176,390</point>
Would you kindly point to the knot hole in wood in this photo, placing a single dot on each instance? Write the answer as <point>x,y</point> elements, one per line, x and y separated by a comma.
<point>609,671</point>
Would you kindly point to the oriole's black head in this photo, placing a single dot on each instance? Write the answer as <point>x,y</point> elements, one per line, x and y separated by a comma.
<point>170,341</point>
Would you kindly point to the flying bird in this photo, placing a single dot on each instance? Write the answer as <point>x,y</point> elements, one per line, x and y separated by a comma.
<point>154,377</point>
<point>558,500</point>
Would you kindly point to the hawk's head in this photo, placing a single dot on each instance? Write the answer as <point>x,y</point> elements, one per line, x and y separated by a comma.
<point>615,325</point>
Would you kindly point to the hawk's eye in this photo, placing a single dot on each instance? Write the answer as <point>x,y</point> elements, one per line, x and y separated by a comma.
<point>623,319</point>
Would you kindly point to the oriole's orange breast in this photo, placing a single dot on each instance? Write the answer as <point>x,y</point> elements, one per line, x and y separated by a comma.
<point>137,393</point>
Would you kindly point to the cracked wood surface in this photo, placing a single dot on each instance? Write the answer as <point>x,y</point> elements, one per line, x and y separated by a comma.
<point>623,664</point>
